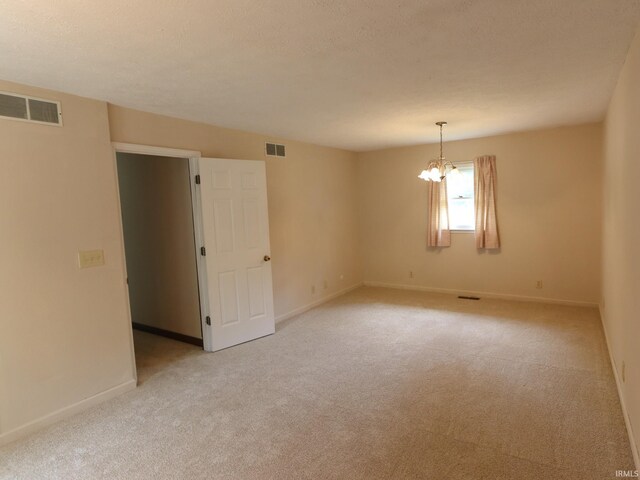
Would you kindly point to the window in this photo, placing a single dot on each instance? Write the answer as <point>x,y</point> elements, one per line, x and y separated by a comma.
<point>460,198</point>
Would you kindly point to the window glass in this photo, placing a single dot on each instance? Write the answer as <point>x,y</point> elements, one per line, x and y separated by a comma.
<point>460,198</point>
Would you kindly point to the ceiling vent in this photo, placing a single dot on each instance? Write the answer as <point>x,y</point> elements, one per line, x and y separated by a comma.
<point>275,150</point>
<point>29,109</point>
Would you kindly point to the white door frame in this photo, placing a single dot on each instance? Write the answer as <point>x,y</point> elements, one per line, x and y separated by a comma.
<point>196,208</point>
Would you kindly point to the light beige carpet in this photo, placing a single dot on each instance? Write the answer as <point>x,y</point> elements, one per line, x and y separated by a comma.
<point>377,384</point>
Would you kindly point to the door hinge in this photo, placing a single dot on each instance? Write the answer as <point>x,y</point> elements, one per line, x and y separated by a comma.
<point>203,251</point>
<point>207,320</point>
<point>198,179</point>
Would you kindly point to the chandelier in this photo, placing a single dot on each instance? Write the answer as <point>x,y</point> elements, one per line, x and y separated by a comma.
<point>439,168</point>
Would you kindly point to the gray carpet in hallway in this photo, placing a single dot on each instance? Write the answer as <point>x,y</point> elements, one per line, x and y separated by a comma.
<point>377,384</point>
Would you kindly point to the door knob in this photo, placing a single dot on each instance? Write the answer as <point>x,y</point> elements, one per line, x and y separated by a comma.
<point>267,258</point>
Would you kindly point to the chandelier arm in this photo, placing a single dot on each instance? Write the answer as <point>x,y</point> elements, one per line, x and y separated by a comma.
<point>437,168</point>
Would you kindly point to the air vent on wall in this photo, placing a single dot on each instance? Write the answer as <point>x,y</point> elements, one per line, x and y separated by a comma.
<point>275,150</point>
<point>29,109</point>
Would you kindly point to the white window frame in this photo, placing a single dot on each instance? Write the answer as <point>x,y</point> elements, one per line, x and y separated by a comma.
<point>466,164</point>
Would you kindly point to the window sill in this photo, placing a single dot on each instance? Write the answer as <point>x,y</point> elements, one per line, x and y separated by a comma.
<point>462,231</point>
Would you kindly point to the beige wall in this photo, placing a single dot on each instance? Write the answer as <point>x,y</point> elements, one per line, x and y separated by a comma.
<point>312,201</point>
<point>548,212</point>
<point>155,195</point>
<point>621,245</point>
<point>64,332</point>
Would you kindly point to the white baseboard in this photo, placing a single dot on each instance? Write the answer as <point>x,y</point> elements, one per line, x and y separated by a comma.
<point>309,306</point>
<point>625,412</point>
<point>65,412</point>
<point>498,296</point>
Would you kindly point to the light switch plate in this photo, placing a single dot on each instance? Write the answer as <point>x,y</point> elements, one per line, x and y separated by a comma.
<point>90,258</point>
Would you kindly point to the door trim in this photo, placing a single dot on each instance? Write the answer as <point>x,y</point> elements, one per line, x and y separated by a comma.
<point>201,261</point>
<point>196,208</point>
<point>151,150</point>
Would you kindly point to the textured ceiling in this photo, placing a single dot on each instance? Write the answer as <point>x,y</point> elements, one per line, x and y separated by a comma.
<point>356,74</point>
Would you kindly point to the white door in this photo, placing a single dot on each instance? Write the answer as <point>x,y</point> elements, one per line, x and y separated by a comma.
<point>236,236</point>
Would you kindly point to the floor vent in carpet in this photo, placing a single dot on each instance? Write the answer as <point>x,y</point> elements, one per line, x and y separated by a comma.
<point>464,297</point>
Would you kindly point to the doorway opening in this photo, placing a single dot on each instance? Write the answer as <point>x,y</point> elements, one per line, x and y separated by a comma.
<point>161,255</point>
<point>213,295</point>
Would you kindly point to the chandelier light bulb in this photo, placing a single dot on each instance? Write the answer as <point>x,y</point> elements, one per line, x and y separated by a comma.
<point>438,169</point>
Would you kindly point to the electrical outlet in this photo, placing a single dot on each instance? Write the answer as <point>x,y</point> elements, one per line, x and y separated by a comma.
<point>624,376</point>
<point>90,258</point>
<point>341,276</point>
<point>410,274</point>
<point>539,284</point>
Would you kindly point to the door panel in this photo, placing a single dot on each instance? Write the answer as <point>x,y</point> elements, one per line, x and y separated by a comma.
<point>223,225</point>
<point>236,234</point>
<point>256,291</point>
<point>251,217</point>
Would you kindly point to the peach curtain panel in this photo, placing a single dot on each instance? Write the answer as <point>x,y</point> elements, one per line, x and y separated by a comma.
<point>485,199</point>
<point>438,233</point>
